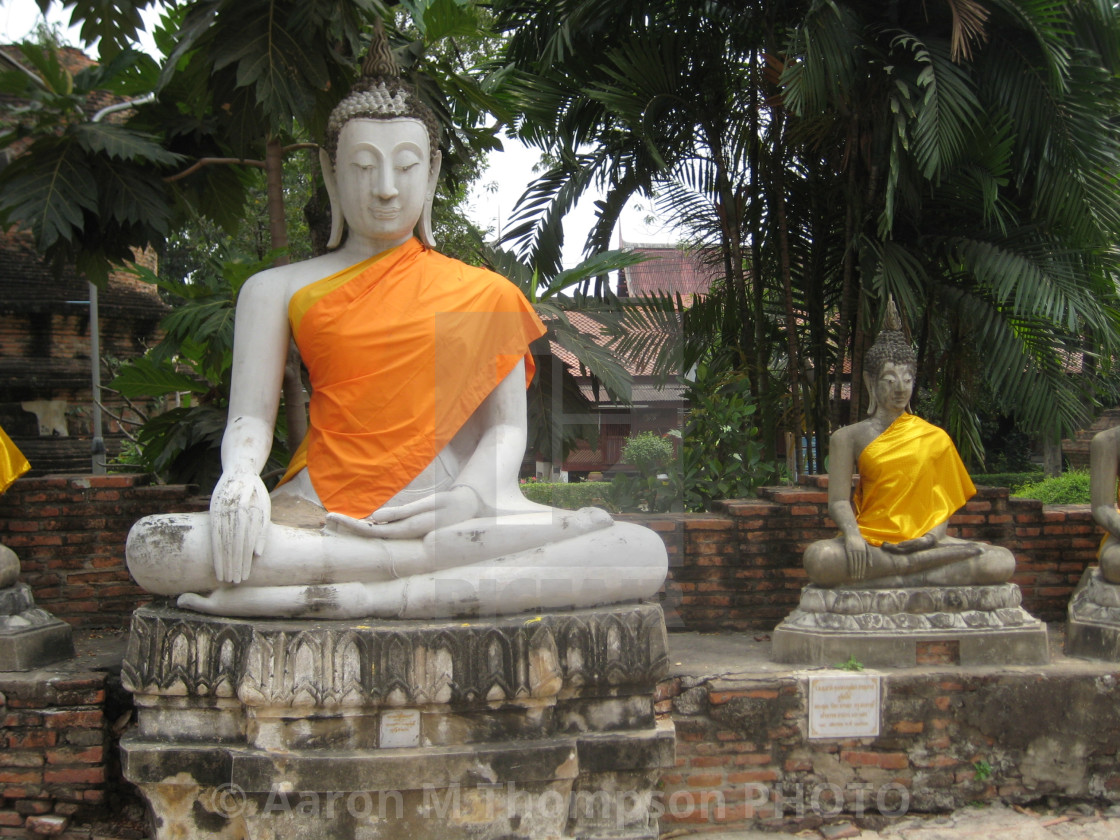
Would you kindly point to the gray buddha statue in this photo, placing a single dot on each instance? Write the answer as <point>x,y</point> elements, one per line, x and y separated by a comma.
<point>1104,456</point>
<point>911,480</point>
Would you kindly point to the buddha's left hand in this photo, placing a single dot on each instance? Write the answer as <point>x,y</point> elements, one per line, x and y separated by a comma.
<point>413,520</point>
<point>910,546</point>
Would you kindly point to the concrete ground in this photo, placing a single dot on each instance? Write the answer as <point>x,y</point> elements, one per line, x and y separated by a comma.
<point>997,822</point>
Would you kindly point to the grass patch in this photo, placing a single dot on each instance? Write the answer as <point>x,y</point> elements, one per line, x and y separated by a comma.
<point>567,496</point>
<point>1071,488</point>
<point>1011,480</point>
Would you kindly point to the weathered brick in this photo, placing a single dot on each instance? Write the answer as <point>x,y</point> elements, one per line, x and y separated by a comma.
<point>48,825</point>
<point>741,777</point>
<point>67,718</point>
<point>74,775</point>
<point>89,755</point>
<point>705,780</point>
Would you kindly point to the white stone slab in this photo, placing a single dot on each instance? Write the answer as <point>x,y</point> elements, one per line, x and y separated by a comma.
<point>400,728</point>
<point>844,705</point>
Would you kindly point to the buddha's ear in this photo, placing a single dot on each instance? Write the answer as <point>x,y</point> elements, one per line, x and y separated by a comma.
<point>424,223</point>
<point>337,220</point>
<point>872,403</point>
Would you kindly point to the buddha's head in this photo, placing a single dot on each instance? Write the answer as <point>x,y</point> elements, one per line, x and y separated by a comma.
<point>890,365</point>
<point>381,158</point>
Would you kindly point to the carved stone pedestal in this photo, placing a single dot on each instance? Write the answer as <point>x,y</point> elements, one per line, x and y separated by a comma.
<point>965,625</point>
<point>1093,629</point>
<point>531,726</point>
<point>30,637</point>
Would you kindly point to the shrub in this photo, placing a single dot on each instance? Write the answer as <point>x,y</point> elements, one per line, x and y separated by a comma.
<point>657,487</point>
<point>1071,488</point>
<point>648,453</point>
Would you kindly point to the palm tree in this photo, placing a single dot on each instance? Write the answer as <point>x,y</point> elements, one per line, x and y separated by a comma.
<point>958,155</point>
<point>560,415</point>
<point>981,160</point>
<point>660,100</point>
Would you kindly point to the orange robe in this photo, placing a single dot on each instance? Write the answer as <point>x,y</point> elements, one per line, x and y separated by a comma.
<point>911,479</point>
<point>402,349</point>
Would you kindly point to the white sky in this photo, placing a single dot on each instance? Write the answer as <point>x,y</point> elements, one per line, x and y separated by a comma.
<point>509,173</point>
<point>494,195</point>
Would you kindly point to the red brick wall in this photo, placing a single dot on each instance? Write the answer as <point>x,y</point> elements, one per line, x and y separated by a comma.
<point>947,739</point>
<point>736,569</point>
<point>55,743</point>
<point>69,533</point>
<point>739,568</point>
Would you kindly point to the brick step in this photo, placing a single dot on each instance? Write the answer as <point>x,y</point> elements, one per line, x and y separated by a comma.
<point>62,455</point>
<point>1076,449</point>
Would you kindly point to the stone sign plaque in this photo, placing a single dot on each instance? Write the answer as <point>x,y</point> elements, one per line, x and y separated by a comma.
<point>844,705</point>
<point>400,728</point>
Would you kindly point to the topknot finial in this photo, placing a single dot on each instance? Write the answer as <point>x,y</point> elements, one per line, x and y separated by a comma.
<point>379,61</point>
<point>892,320</point>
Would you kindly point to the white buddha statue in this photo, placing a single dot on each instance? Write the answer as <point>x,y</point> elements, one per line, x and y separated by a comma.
<point>403,501</point>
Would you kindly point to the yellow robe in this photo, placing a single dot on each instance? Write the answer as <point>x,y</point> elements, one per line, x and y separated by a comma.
<point>911,479</point>
<point>402,349</point>
<point>12,462</point>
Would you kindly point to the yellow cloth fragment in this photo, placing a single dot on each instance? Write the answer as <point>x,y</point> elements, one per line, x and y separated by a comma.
<point>12,462</point>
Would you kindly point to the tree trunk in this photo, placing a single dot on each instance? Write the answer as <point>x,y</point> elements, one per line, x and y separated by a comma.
<point>796,423</point>
<point>844,327</point>
<point>295,411</point>
<point>1051,455</point>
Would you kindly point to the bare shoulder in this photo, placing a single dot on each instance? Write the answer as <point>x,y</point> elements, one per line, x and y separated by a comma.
<point>277,285</point>
<point>1109,439</point>
<point>853,434</point>
<point>853,439</point>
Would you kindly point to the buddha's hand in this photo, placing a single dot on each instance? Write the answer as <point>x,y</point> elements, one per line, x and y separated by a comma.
<point>413,520</point>
<point>239,511</point>
<point>910,546</point>
<point>858,553</point>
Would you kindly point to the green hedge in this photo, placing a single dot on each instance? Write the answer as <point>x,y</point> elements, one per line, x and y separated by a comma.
<point>568,496</point>
<point>1011,480</point>
<point>1071,488</point>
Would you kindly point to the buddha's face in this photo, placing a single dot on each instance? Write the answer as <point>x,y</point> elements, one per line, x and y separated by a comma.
<point>384,178</point>
<point>894,386</point>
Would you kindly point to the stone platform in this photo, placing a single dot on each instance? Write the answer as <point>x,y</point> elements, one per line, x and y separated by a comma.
<point>30,637</point>
<point>896,628</point>
<point>1093,629</point>
<point>531,726</point>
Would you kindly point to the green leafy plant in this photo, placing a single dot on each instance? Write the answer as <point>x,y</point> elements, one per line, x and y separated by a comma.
<point>1071,488</point>
<point>851,664</point>
<point>721,452</point>
<point>191,366</point>
<point>982,770</point>
<point>83,186</point>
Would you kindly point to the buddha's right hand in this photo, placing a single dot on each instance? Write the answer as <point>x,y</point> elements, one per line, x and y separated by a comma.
<point>240,509</point>
<point>858,553</point>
